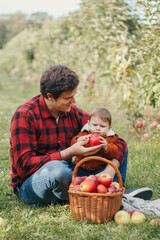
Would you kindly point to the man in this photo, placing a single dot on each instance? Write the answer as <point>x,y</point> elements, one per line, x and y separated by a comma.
<point>41,132</point>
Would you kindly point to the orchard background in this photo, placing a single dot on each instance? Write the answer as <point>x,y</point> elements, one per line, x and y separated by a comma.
<point>114,47</point>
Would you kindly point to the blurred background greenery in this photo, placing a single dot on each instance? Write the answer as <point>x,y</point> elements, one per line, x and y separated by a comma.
<point>112,45</point>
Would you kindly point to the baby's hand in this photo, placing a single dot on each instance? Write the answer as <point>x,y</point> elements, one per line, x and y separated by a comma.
<point>103,143</point>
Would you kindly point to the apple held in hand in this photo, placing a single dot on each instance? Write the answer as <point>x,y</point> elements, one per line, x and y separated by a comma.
<point>88,185</point>
<point>137,217</point>
<point>101,189</point>
<point>105,179</point>
<point>78,180</point>
<point>94,140</point>
<point>122,217</point>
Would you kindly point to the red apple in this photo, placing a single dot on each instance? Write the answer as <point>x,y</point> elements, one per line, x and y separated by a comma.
<point>105,179</point>
<point>101,189</point>
<point>112,189</point>
<point>122,217</point>
<point>127,211</point>
<point>138,123</point>
<point>144,123</point>
<point>88,185</point>
<point>116,184</point>
<point>94,178</point>
<point>145,137</point>
<point>94,140</point>
<point>76,188</point>
<point>154,124</point>
<point>137,217</point>
<point>78,180</point>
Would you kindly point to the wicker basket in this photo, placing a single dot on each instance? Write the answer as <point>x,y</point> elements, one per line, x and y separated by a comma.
<point>95,207</point>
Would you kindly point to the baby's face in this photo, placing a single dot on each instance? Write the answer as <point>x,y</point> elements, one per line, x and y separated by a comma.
<point>96,125</point>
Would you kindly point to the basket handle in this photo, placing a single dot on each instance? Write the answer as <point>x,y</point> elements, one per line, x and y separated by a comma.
<point>99,159</point>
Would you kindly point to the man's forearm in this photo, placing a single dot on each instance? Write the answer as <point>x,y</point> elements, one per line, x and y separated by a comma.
<point>110,170</point>
<point>67,153</point>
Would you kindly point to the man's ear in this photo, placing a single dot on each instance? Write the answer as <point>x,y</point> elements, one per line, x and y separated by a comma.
<point>49,96</point>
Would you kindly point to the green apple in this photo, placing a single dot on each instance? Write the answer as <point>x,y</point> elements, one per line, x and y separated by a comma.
<point>122,217</point>
<point>2,222</point>
<point>137,217</point>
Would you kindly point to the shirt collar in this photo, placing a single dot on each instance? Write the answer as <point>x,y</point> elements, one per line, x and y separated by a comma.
<point>44,110</point>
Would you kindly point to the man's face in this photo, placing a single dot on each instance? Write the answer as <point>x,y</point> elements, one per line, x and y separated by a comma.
<point>96,125</point>
<point>64,101</point>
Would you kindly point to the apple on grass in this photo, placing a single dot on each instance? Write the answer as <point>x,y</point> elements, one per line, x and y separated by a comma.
<point>88,185</point>
<point>101,189</point>
<point>78,180</point>
<point>122,217</point>
<point>105,179</point>
<point>145,136</point>
<point>137,217</point>
<point>94,140</point>
<point>127,211</point>
<point>3,222</point>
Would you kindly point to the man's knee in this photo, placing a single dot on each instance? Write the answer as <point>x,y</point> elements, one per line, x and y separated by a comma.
<point>58,170</point>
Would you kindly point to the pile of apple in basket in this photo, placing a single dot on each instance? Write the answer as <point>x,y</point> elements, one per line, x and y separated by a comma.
<point>100,184</point>
<point>96,198</point>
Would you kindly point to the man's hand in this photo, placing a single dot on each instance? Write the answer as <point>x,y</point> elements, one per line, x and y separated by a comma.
<point>84,138</point>
<point>79,149</point>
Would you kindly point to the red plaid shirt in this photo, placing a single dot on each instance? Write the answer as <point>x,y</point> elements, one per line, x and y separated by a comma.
<point>36,138</point>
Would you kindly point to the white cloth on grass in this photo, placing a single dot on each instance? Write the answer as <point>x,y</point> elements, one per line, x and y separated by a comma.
<point>148,207</point>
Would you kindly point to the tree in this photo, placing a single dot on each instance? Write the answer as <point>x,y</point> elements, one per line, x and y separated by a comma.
<point>142,87</point>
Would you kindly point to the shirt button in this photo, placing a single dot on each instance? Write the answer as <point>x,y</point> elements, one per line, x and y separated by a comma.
<point>88,167</point>
<point>83,165</point>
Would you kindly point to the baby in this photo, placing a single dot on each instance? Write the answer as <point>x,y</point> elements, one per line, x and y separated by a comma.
<point>100,124</point>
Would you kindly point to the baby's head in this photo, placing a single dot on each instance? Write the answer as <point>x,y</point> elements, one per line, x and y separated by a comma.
<point>100,121</point>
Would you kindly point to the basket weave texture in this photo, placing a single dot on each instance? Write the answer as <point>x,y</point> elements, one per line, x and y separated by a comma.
<point>95,207</point>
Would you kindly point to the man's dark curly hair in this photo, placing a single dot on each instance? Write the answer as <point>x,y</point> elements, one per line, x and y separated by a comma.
<point>57,79</point>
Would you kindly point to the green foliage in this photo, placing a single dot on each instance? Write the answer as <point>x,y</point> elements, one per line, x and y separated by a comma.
<point>142,86</point>
<point>93,41</point>
<point>112,48</point>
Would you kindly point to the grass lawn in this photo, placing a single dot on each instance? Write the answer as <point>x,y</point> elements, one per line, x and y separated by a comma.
<point>55,221</point>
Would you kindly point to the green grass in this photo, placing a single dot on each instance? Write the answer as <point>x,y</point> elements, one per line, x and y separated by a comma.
<point>55,221</point>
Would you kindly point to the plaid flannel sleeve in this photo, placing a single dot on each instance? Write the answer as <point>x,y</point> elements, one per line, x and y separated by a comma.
<point>122,149</point>
<point>24,146</point>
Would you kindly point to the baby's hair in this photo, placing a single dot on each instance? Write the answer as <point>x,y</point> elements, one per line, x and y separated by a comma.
<point>103,113</point>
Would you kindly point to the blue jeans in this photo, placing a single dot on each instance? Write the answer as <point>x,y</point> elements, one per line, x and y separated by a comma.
<point>50,183</point>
